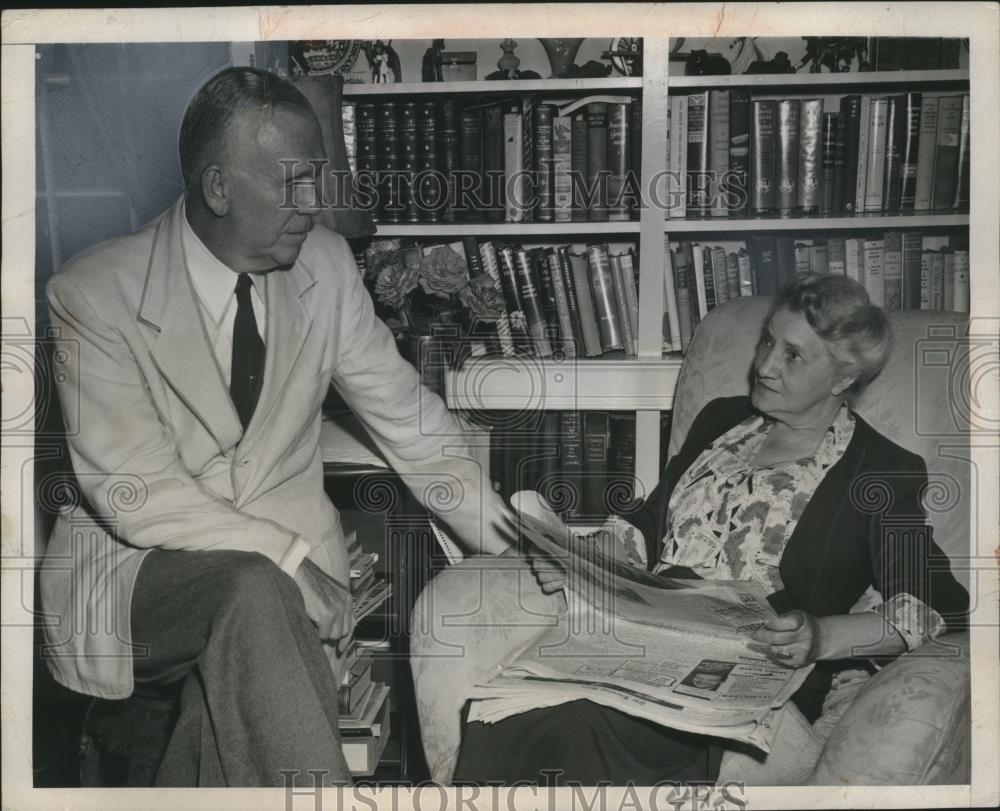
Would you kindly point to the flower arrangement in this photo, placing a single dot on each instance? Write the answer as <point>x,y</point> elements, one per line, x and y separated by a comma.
<point>427,286</point>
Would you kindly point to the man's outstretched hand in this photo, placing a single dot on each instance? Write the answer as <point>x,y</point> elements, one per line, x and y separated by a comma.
<point>328,603</point>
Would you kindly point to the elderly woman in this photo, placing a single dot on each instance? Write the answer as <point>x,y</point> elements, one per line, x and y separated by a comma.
<point>770,488</point>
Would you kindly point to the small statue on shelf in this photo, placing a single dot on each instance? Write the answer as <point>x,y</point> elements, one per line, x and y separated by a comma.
<point>779,63</point>
<point>703,63</point>
<point>509,63</point>
<point>384,62</point>
<point>431,67</point>
<point>836,54</point>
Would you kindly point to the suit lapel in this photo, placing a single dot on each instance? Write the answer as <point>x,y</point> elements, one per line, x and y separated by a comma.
<point>181,350</point>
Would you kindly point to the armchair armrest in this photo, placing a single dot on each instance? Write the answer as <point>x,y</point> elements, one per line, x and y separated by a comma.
<point>909,725</point>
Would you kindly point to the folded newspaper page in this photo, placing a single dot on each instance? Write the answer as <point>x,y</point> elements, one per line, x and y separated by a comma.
<point>676,652</point>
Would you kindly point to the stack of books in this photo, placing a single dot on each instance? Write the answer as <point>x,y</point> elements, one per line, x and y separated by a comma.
<point>729,154</point>
<point>364,714</point>
<point>899,269</point>
<point>368,589</point>
<point>515,160</point>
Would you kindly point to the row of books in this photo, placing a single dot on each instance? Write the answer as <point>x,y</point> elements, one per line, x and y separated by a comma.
<point>369,590</point>
<point>899,269</point>
<point>729,154</point>
<point>560,302</point>
<point>514,160</point>
<point>364,713</point>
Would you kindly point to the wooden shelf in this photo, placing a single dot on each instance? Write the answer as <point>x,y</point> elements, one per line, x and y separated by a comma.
<point>564,385</point>
<point>819,82</point>
<point>444,230</point>
<point>605,85</point>
<point>859,222</point>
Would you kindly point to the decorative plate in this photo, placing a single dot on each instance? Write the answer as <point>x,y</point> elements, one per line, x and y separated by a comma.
<point>318,57</point>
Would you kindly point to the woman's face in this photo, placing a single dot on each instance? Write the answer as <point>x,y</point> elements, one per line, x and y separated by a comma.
<point>795,377</point>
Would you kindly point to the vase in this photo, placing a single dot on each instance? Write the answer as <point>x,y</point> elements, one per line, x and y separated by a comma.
<point>561,53</point>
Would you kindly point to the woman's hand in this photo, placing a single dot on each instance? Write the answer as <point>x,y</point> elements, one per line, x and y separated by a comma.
<point>794,639</point>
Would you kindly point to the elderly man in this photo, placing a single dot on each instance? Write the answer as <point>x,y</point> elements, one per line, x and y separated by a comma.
<point>204,547</point>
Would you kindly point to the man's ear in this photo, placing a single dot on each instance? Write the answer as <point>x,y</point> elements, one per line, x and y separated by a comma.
<point>213,191</point>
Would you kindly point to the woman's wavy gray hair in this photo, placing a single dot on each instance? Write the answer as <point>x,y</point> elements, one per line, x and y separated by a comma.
<point>856,332</point>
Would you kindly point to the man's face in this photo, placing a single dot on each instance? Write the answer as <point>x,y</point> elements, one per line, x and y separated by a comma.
<point>271,205</point>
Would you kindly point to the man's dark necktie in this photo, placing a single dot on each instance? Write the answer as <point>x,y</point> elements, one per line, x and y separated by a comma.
<point>248,354</point>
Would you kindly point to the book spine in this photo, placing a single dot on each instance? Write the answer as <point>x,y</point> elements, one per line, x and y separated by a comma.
<point>631,292</point>
<point>596,437</point>
<point>836,255</point>
<point>738,180</point>
<point>819,258</point>
<point>578,161</point>
<point>409,146</point>
<point>597,161</point>
<point>571,463</point>
<point>509,284</point>
<point>961,293</point>
<point>892,270</point>
<point>810,155</point>
<point>948,302</point>
<point>488,257</point>
<point>698,202</point>
<point>784,260</point>
<point>703,282</point>
<point>528,157</point>
<point>732,276</point>
<point>538,257</point>
<point>912,246</point>
<point>514,171</point>
<point>828,178</point>
<point>470,151</point>
<point>619,151</point>
<point>720,274</point>
<point>852,260</point>
<point>677,158</point>
<point>864,131</point>
<point>763,264</point>
<point>802,263</point>
<point>562,160</point>
<point>718,150</point>
<point>617,282</point>
<point>946,159</point>
<point>589,325</point>
<point>605,301</point>
<point>349,121</point>
<point>850,111</point>
<point>926,151</point>
<point>926,259</point>
<point>430,193</point>
<point>839,163</point>
<point>743,272</point>
<point>895,138</point>
<point>390,205</point>
<point>937,281</point>
<point>677,261</point>
<point>494,206</point>
<point>961,202</point>
<point>635,155</point>
<point>367,183</point>
<point>874,281</point>
<point>450,160</point>
<point>621,460</point>
<point>787,155</point>
<point>548,481</point>
<point>544,178</point>
<point>876,156</point>
<point>531,303</point>
<point>567,340</point>
<point>572,302</point>
<point>911,152</point>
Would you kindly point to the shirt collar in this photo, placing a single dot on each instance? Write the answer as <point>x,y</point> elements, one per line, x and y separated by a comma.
<point>214,282</point>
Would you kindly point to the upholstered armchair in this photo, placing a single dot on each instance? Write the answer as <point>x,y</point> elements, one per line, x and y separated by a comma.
<point>910,723</point>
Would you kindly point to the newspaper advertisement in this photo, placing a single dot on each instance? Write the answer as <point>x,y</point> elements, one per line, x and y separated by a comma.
<point>677,652</point>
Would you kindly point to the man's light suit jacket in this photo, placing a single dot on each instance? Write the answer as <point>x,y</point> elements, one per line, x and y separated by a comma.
<point>159,453</point>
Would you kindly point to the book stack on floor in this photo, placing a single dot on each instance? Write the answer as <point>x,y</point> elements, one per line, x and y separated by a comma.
<point>507,160</point>
<point>364,713</point>
<point>368,589</point>
<point>740,156</point>
<point>899,269</point>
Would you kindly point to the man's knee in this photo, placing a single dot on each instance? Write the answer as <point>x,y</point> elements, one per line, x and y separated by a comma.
<point>250,580</point>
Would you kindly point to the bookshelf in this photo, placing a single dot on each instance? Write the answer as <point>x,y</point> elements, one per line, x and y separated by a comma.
<point>643,384</point>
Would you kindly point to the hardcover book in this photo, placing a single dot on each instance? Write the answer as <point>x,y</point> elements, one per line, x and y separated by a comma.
<point>764,179</point>
<point>718,156</point>
<point>698,186</point>
<point>738,184</point>
<point>810,155</point>
<point>787,155</point>
<point>602,287</point>
<point>619,153</point>
<point>911,152</point>
<point>597,161</point>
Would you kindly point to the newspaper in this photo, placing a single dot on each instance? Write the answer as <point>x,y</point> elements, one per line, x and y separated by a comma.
<point>677,652</point>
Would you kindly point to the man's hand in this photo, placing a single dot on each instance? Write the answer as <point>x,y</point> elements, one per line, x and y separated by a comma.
<point>328,603</point>
<point>795,639</point>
